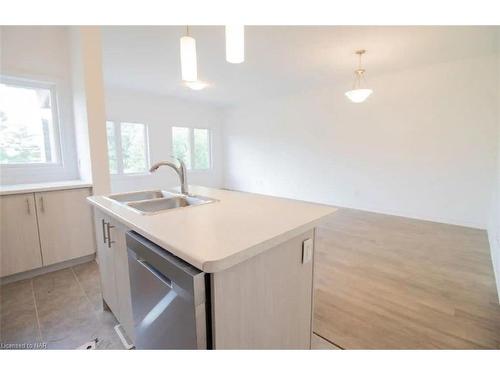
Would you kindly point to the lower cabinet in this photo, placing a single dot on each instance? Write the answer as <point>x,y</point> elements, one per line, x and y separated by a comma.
<point>20,247</point>
<point>113,267</point>
<point>65,224</point>
<point>41,229</point>
<point>266,301</point>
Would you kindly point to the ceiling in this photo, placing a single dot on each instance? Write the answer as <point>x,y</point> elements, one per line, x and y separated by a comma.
<point>279,59</point>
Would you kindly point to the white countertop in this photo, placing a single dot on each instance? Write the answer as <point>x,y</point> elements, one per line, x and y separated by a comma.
<point>216,236</point>
<point>43,186</point>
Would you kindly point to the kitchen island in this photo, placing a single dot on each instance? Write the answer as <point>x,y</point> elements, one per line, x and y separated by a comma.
<point>257,253</point>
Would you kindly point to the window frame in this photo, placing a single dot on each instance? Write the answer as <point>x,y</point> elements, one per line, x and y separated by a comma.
<point>191,146</point>
<point>117,126</point>
<point>57,147</point>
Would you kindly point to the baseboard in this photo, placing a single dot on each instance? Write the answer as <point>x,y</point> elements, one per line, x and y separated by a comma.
<point>495,258</point>
<point>377,210</point>
<point>43,270</point>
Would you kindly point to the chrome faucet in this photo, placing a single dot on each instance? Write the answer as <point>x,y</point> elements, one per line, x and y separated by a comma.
<point>181,172</point>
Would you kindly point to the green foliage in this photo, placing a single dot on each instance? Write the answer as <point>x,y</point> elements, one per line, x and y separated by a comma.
<point>133,148</point>
<point>112,156</point>
<point>201,149</point>
<point>180,145</point>
<point>17,145</point>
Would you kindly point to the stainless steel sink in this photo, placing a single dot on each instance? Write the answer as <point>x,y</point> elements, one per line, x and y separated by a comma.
<point>140,195</point>
<point>155,205</point>
<point>155,201</point>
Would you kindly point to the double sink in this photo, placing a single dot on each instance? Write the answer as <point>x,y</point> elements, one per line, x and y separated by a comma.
<point>155,201</point>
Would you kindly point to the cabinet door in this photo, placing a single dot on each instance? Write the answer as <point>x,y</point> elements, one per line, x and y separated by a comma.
<point>119,246</point>
<point>65,224</point>
<point>266,301</point>
<point>105,260</point>
<point>20,247</point>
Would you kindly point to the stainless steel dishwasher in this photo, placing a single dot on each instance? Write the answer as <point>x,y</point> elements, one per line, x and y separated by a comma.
<point>169,301</point>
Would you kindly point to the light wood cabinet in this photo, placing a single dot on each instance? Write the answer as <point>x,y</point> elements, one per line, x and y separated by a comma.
<point>113,266</point>
<point>20,246</point>
<point>41,229</point>
<point>65,225</point>
<point>105,259</point>
<point>266,301</point>
<point>117,233</point>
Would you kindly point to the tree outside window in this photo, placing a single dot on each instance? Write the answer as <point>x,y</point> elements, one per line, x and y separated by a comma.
<point>127,147</point>
<point>192,145</point>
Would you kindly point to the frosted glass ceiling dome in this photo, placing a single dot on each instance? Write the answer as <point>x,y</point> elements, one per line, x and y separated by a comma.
<point>358,95</point>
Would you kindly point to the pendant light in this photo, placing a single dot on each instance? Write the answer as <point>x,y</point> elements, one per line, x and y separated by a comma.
<point>189,69</point>
<point>359,94</point>
<point>235,44</point>
<point>196,85</point>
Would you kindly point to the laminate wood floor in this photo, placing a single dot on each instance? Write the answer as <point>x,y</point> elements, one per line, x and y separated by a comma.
<point>386,282</point>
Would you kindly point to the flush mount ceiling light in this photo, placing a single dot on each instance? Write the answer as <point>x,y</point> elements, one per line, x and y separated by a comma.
<point>235,44</point>
<point>359,94</point>
<point>189,69</point>
<point>196,85</point>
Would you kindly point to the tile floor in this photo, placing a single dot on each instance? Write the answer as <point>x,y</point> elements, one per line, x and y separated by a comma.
<point>63,310</point>
<point>58,310</point>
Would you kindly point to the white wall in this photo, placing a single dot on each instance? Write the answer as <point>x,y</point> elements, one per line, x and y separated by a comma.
<point>422,146</point>
<point>494,224</point>
<point>89,107</point>
<point>42,53</point>
<point>160,113</point>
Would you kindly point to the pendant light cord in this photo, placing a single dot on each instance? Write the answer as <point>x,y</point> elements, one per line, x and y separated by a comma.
<point>359,73</point>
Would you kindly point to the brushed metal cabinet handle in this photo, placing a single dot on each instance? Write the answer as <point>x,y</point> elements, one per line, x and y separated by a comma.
<point>104,238</point>
<point>109,235</point>
<point>42,206</point>
<point>28,208</point>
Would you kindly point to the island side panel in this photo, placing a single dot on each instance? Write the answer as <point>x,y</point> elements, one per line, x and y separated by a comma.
<point>266,301</point>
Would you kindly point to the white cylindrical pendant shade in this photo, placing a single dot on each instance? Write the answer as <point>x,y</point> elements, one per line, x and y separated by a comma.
<point>189,67</point>
<point>359,95</point>
<point>235,43</point>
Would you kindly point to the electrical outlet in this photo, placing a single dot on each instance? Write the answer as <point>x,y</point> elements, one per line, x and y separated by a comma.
<point>307,250</point>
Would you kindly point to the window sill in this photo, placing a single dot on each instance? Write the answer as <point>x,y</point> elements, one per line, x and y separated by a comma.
<point>31,165</point>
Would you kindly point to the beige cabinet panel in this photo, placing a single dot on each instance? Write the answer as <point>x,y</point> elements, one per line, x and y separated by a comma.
<point>119,247</point>
<point>113,267</point>
<point>266,301</point>
<point>106,261</point>
<point>20,247</point>
<point>65,225</point>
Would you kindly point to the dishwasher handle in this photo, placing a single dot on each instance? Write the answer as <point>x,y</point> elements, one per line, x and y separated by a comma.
<point>164,279</point>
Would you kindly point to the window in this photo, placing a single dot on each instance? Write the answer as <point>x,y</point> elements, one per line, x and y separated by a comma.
<point>28,122</point>
<point>127,147</point>
<point>192,146</point>
<point>112,154</point>
<point>181,145</point>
